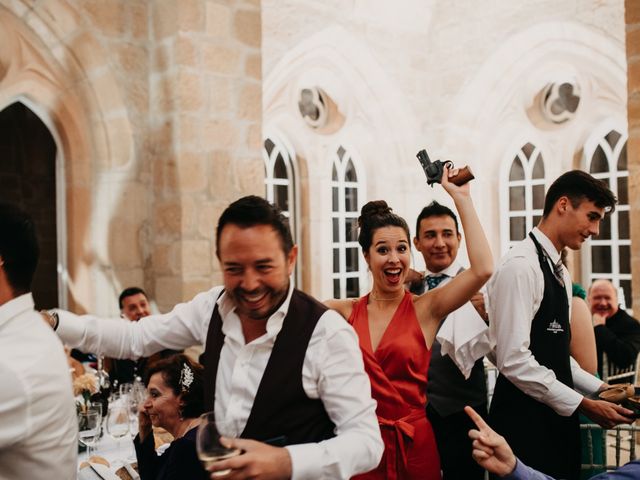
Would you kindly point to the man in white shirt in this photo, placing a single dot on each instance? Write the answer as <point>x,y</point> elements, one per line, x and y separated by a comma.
<point>536,399</point>
<point>281,367</point>
<point>38,427</point>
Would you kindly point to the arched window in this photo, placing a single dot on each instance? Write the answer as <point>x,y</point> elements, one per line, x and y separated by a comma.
<point>610,251</point>
<point>280,183</point>
<point>525,197</point>
<point>348,266</point>
<point>279,180</point>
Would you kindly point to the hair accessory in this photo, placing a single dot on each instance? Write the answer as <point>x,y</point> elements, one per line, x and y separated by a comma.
<point>186,377</point>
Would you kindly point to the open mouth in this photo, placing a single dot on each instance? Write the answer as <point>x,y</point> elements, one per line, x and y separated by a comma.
<point>393,275</point>
<point>255,299</point>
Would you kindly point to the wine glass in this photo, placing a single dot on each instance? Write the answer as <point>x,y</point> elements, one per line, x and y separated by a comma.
<point>132,407</point>
<point>118,423</point>
<point>125,389</point>
<point>89,429</point>
<point>208,445</point>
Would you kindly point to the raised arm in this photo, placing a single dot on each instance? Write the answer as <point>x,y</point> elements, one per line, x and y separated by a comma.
<point>436,304</point>
<point>184,326</point>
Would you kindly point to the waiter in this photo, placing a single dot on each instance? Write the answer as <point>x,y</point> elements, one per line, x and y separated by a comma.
<point>540,388</point>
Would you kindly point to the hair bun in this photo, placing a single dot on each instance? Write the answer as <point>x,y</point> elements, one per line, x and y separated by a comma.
<point>371,209</point>
<point>375,207</point>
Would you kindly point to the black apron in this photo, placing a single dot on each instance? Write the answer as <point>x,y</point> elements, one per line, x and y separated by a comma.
<point>539,436</point>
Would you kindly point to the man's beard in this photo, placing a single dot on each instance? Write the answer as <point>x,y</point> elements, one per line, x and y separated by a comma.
<point>274,299</point>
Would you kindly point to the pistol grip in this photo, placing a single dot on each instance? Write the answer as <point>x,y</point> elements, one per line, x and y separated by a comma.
<point>464,175</point>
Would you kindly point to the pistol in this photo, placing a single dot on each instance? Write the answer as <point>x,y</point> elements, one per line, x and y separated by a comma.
<point>434,170</point>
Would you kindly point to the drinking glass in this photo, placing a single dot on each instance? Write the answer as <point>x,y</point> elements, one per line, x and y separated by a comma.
<point>118,423</point>
<point>125,389</point>
<point>132,407</point>
<point>208,445</point>
<point>89,429</point>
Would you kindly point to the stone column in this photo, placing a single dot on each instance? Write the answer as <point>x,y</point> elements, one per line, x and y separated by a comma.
<point>632,20</point>
<point>205,148</point>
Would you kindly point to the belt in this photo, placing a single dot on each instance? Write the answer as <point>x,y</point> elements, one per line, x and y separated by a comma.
<point>403,430</point>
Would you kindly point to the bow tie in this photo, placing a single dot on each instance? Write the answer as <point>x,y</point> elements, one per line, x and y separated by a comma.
<point>434,280</point>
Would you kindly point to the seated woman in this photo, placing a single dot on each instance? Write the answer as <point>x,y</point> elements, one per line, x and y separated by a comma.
<point>396,330</point>
<point>174,402</point>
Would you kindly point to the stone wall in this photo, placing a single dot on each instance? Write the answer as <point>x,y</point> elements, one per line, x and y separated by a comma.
<point>205,118</point>
<point>632,18</point>
<point>156,111</point>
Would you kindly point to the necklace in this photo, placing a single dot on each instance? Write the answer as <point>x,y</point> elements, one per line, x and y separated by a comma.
<point>189,426</point>
<point>385,299</point>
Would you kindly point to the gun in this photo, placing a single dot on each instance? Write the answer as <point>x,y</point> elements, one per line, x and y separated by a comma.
<point>434,170</point>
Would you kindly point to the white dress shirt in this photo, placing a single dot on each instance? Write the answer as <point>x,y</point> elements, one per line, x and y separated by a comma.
<point>333,371</point>
<point>515,292</point>
<point>38,426</point>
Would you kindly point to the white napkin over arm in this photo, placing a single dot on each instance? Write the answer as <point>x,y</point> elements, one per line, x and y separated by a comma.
<point>464,336</point>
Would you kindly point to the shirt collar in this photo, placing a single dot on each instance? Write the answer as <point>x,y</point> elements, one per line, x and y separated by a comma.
<point>274,323</point>
<point>451,271</point>
<point>547,245</point>
<point>15,307</point>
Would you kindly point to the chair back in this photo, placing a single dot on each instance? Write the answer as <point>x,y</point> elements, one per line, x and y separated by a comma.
<point>618,442</point>
<point>612,373</point>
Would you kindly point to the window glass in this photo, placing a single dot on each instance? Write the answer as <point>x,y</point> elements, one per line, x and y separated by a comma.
<point>280,183</point>
<point>345,209</point>
<point>601,259</point>
<point>599,163</point>
<point>610,253</point>
<point>516,172</point>
<point>526,189</point>
<point>538,168</point>
<point>518,228</point>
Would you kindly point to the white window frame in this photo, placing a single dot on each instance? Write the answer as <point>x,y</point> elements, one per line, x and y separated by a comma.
<point>341,184</point>
<point>597,139</point>
<point>528,183</point>
<point>283,147</point>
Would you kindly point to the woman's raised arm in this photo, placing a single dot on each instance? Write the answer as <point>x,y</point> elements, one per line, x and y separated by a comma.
<point>436,304</point>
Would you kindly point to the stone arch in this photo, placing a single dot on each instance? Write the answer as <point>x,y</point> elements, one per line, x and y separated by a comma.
<point>493,107</point>
<point>378,125</point>
<point>48,62</point>
<point>342,65</point>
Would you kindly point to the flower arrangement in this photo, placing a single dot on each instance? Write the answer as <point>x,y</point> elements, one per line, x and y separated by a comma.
<point>85,385</point>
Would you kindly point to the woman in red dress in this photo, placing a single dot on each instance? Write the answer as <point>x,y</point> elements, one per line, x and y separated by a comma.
<point>396,330</point>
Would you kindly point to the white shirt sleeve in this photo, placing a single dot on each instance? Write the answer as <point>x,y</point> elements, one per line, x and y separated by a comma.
<point>14,408</point>
<point>335,362</point>
<point>184,326</point>
<point>516,292</point>
<point>583,381</point>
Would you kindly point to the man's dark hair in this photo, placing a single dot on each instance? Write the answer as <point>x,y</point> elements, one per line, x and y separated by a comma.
<point>18,248</point>
<point>128,292</point>
<point>578,186</point>
<point>434,209</point>
<point>175,373</point>
<point>251,211</point>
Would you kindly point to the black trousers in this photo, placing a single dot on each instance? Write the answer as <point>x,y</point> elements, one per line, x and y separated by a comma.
<point>454,444</point>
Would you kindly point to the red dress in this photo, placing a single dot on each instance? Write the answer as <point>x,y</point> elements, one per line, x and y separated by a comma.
<point>398,374</point>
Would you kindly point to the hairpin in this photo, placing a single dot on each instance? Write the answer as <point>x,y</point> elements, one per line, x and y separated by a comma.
<point>186,377</point>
